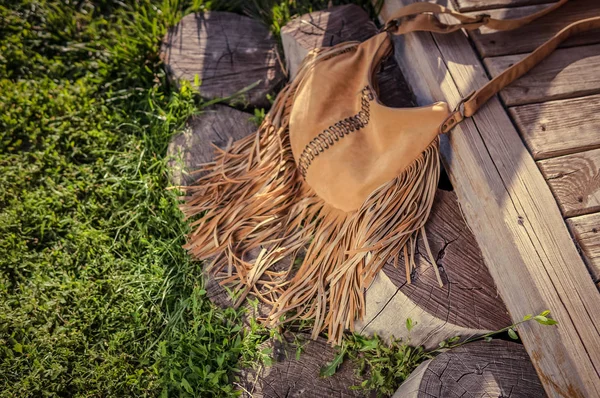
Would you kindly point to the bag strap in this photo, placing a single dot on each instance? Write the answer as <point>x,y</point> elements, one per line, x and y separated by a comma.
<point>422,16</point>
<point>469,105</point>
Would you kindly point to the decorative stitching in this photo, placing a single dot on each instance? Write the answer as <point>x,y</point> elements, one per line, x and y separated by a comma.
<point>331,135</point>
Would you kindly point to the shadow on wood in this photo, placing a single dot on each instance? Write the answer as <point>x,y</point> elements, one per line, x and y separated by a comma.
<point>225,53</point>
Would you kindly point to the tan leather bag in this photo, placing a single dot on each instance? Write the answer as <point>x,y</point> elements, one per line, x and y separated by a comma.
<point>336,177</point>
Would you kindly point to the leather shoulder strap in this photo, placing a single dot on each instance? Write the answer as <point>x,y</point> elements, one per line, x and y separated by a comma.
<point>473,102</point>
<point>423,16</point>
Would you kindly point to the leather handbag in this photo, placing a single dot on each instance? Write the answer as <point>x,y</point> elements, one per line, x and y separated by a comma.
<point>305,213</point>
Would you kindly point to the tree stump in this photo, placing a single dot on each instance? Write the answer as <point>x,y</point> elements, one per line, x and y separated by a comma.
<point>496,369</point>
<point>468,304</point>
<point>226,53</point>
<point>291,377</point>
<point>218,125</point>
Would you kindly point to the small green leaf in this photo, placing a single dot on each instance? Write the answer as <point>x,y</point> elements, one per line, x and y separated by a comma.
<point>186,386</point>
<point>527,317</point>
<point>512,334</point>
<point>330,368</point>
<point>545,313</point>
<point>545,321</point>
<point>369,345</point>
<point>409,324</point>
<point>487,339</point>
<point>18,348</point>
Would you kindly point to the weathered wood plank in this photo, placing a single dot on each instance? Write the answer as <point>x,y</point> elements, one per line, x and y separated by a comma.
<point>557,128</point>
<point>226,53</point>
<point>513,215</point>
<point>567,73</point>
<point>492,43</point>
<point>575,181</point>
<point>495,369</point>
<point>299,377</point>
<point>586,230</point>
<point>479,5</point>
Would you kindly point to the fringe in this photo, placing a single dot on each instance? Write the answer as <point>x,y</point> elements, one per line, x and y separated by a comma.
<point>253,198</point>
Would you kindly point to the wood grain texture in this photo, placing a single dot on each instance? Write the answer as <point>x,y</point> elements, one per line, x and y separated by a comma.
<point>556,128</point>
<point>218,125</point>
<point>469,297</point>
<point>567,73</point>
<point>387,309</point>
<point>513,215</point>
<point>227,53</point>
<point>586,230</point>
<point>291,377</point>
<point>575,181</point>
<point>492,43</point>
<point>479,369</point>
<point>479,5</point>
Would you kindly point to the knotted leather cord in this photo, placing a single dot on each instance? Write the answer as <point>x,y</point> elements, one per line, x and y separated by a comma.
<point>422,17</point>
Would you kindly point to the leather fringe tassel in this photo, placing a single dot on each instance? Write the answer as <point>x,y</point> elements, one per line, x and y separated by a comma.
<point>252,199</point>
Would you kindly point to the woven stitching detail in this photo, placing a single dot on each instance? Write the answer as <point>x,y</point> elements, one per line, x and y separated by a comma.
<point>336,131</point>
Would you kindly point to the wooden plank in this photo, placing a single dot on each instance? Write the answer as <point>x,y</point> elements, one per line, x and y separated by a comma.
<point>492,43</point>
<point>513,215</point>
<point>567,73</point>
<point>495,369</point>
<point>575,181</point>
<point>557,128</point>
<point>586,230</point>
<point>480,5</point>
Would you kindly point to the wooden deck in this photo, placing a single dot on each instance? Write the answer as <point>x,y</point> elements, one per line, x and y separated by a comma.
<point>556,109</point>
<point>526,170</point>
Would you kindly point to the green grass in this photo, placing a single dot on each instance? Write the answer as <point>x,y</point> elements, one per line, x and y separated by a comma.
<point>97,297</point>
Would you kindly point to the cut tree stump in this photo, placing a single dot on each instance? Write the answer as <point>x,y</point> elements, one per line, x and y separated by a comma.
<point>496,369</point>
<point>468,303</point>
<point>218,125</point>
<point>226,53</point>
<point>292,377</point>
